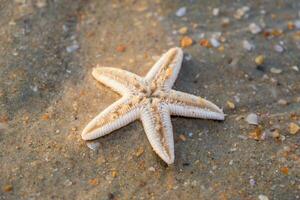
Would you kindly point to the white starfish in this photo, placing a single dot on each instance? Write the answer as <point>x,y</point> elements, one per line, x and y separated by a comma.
<point>151,100</point>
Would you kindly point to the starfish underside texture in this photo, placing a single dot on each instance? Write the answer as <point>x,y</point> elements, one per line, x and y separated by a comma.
<point>150,99</point>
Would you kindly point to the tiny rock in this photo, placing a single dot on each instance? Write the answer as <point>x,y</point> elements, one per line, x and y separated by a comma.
<point>262,197</point>
<point>93,145</point>
<point>121,48</point>
<point>183,30</point>
<point>72,48</point>
<point>247,45</point>
<point>151,169</point>
<point>181,12</point>
<point>278,48</point>
<point>259,60</point>
<point>230,104</point>
<point>275,134</point>
<point>256,134</point>
<point>8,188</point>
<point>293,128</point>
<point>186,42</point>
<point>254,28</point>
<point>241,12</point>
<point>182,137</point>
<point>216,12</point>
<point>252,119</point>
<point>295,68</point>
<point>139,151</point>
<point>214,42</point>
<point>114,173</point>
<point>205,43</point>
<point>282,102</point>
<point>275,70</point>
<point>284,170</point>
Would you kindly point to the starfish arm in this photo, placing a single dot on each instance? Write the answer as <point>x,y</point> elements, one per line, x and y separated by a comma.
<point>119,114</point>
<point>121,81</point>
<point>188,105</point>
<point>157,124</point>
<point>165,71</point>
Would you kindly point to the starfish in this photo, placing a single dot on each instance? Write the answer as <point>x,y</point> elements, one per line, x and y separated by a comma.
<point>150,99</point>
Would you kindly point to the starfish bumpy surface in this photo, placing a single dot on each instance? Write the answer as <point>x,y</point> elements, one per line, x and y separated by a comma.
<point>150,99</point>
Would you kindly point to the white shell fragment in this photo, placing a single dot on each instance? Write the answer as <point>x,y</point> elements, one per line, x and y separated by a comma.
<point>181,12</point>
<point>93,145</point>
<point>150,99</point>
<point>252,119</point>
<point>247,45</point>
<point>254,28</point>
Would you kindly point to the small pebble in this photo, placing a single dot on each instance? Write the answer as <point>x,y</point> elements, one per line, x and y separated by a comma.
<point>252,119</point>
<point>183,30</point>
<point>282,102</point>
<point>241,12</point>
<point>278,48</point>
<point>8,188</point>
<point>121,48</point>
<point>230,104</point>
<point>41,3</point>
<point>275,70</point>
<point>247,45</point>
<point>275,134</point>
<point>256,134</point>
<point>297,24</point>
<point>190,134</point>
<point>214,42</point>
<point>295,68</point>
<point>293,128</point>
<point>188,57</point>
<point>139,151</point>
<point>254,28</point>
<point>186,42</point>
<point>225,22</point>
<point>114,173</point>
<point>151,169</point>
<point>259,60</point>
<point>216,12</point>
<point>68,183</point>
<point>252,182</point>
<point>182,137</point>
<point>284,170</point>
<point>262,197</point>
<point>93,145</point>
<point>181,12</point>
<point>72,48</point>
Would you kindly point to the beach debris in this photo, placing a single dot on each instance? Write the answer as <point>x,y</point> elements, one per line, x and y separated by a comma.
<point>181,12</point>
<point>93,145</point>
<point>230,104</point>
<point>295,68</point>
<point>240,13</point>
<point>278,48</point>
<point>214,42</point>
<point>256,134</point>
<point>216,12</point>
<point>186,42</point>
<point>254,28</point>
<point>183,30</point>
<point>262,197</point>
<point>275,70</point>
<point>293,128</point>
<point>252,118</point>
<point>247,45</point>
<point>259,60</point>
<point>121,48</point>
